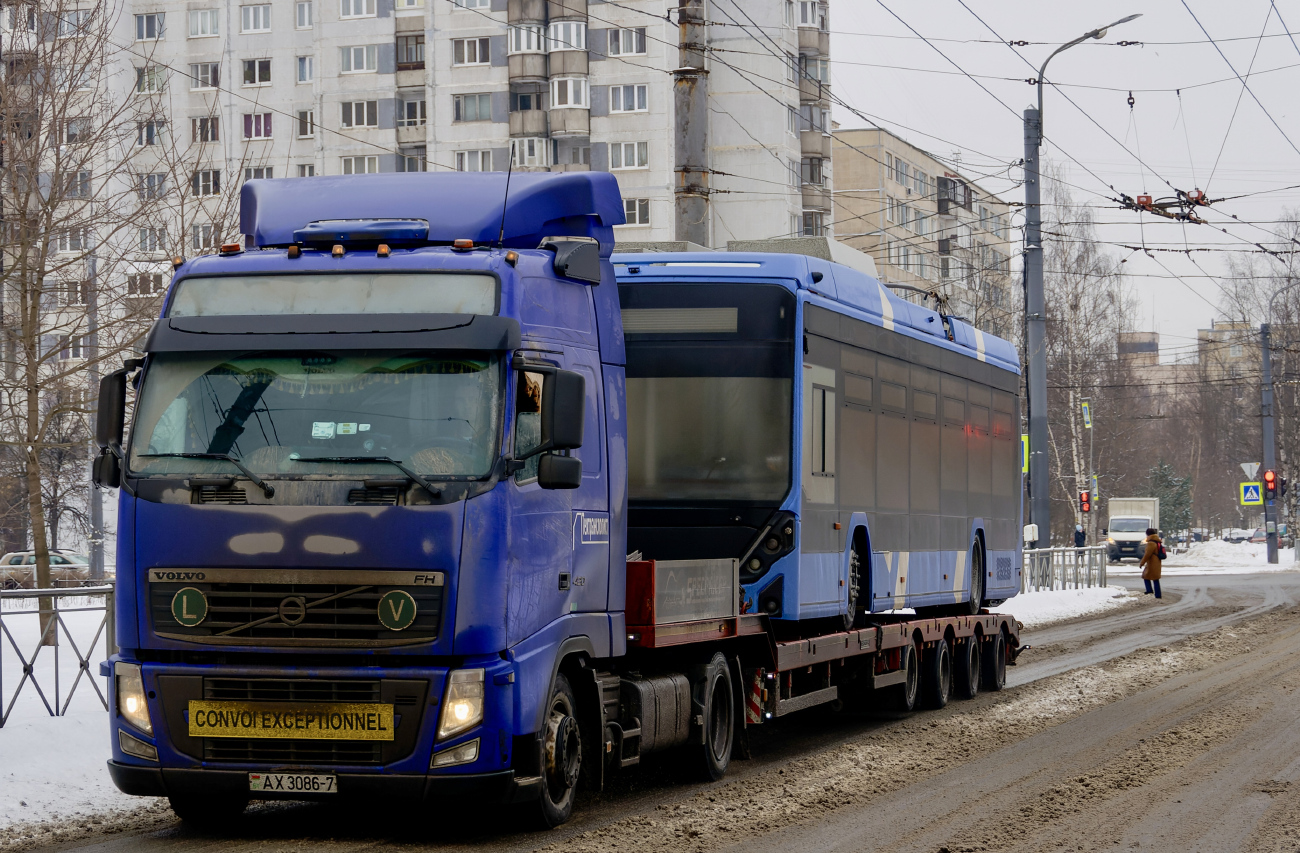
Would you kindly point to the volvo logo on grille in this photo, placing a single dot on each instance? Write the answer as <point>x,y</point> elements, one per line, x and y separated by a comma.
<point>293,610</point>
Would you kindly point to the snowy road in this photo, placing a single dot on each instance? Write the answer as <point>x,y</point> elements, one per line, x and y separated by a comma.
<point>1165,725</point>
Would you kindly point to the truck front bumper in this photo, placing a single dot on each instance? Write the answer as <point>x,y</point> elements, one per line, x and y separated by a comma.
<point>502,786</point>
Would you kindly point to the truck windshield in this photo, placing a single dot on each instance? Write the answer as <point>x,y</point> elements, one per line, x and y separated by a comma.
<point>436,413</point>
<point>1129,525</point>
<point>709,385</point>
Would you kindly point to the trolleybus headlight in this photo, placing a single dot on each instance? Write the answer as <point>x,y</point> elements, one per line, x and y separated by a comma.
<point>462,707</point>
<point>131,700</point>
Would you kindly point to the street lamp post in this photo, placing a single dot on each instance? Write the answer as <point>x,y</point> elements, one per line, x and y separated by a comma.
<point>1035,307</point>
<point>1266,413</point>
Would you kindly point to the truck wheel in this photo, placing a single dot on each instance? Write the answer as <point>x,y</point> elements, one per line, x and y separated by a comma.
<point>213,811</point>
<point>854,589</point>
<point>967,671</point>
<point>714,694</point>
<point>972,607</point>
<point>994,665</point>
<point>903,696</point>
<point>561,747</point>
<point>936,680</point>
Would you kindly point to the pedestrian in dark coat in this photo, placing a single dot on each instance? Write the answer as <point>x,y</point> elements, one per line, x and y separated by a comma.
<point>1080,538</point>
<point>1150,564</point>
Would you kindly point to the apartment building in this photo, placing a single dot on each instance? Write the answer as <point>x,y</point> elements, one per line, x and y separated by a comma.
<point>928,227</point>
<point>296,88</point>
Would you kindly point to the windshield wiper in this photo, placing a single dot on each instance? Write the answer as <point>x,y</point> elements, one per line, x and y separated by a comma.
<point>267,488</point>
<point>396,463</point>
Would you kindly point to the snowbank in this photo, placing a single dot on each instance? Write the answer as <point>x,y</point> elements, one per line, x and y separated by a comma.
<point>1218,557</point>
<point>1037,609</point>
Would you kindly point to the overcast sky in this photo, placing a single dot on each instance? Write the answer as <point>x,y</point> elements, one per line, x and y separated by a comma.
<point>882,68</point>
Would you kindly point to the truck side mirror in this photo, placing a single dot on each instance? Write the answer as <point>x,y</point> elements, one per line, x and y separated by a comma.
<point>106,472</point>
<point>111,418</point>
<point>564,402</point>
<point>559,472</point>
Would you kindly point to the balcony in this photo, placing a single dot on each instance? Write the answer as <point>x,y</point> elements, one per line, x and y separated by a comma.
<point>569,121</point>
<point>814,92</point>
<point>813,40</point>
<point>526,66</point>
<point>816,197</point>
<point>528,123</point>
<point>814,143</point>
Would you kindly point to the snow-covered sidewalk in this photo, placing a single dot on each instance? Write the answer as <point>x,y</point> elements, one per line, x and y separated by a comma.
<point>1037,609</point>
<point>1218,558</point>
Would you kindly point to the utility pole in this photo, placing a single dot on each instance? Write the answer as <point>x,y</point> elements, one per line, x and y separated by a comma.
<point>1092,478</point>
<point>92,380</point>
<point>691,146</point>
<point>1270,443</point>
<point>1036,335</point>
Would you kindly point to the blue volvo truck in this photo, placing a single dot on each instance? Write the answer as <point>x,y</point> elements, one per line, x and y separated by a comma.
<point>427,495</point>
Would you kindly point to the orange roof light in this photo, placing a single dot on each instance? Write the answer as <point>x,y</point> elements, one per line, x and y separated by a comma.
<point>382,250</point>
<point>231,248</point>
<point>337,251</point>
<point>463,245</point>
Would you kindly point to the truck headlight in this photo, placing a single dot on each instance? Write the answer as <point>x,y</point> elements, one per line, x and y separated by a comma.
<point>462,707</point>
<point>131,699</point>
<point>1110,540</point>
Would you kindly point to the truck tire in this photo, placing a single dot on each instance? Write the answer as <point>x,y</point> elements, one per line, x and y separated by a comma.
<point>903,696</point>
<point>713,693</point>
<point>561,747</point>
<point>854,589</point>
<point>214,811</point>
<point>994,665</point>
<point>967,670</point>
<point>936,678</point>
<point>976,601</point>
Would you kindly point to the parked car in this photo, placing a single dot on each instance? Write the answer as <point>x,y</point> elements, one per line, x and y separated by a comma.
<point>18,569</point>
<point>1259,537</point>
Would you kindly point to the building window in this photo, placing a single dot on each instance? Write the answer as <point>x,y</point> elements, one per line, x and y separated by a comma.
<point>412,113</point>
<point>205,75</point>
<point>627,42</point>
<point>412,159</point>
<point>792,120</point>
<point>206,129</point>
<point>809,14</point>
<point>810,171</point>
<point>524,101</point>
<point>77,130</point>
<point>153,240</point>
<point>144,284</point>
<point>71,23</point>
<point>360,58</point>
<point>476,107</point>
<point>629,155</point>
<point>152,185</point>
<point>921,182</point>
<point>205,23</point>
<point>255,19</point>
<point>637,211</point>
<point>150,79</point>
<point>77,185</point>
<point>627,99</point>
<point>303,19</point>
<point>569,92</point>
<point>527,39</point>
<point>471,51</point>
<point>203,237</point>
<point>257,125</point>
<point>306,69</point>
<point>1235,350</point>
<point>363,165</point>
<point>306,123</point>
<point>568,35</point>
<point>473,161</point>
<point>306,170</point>
<point>410,52</point>
<point>206,182</point>
<point>252,172</point>
<point>407,5</point>
<point>789,13</point>
<point>815,68</point>
<point>360,114</point>
<point>791,68</point>
<point>529,151</point>
<point>149,132</point>
<point>71,240</point>
<point>473,4</point>
<point>149,27</point>
<point>357,9</point>
<point>257,72</point>
<point>814,223</point>
<point>580,155</point>
<point>900,171</point>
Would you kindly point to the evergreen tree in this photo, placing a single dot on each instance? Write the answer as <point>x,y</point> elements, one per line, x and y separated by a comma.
<point>1175,495</point>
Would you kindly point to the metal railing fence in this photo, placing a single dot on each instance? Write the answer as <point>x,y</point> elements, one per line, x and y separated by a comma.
<point>1063,568</point>
<point>55,604</point>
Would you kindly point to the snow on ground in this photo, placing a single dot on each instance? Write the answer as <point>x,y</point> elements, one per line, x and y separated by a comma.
<point>1036,609</point>
<point>1218,557</point>
<point>54,767</point>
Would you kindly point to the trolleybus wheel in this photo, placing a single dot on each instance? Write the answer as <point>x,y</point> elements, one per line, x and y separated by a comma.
<point>967,670</point>
<point>972,607</point>
<point>561,747</point>
<point>903,696</point>
<point>713,692</point>
<point>854,589</point>
<point>994,665</point>
<point>937,675</point>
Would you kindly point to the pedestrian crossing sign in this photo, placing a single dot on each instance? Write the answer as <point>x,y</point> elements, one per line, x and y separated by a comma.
<point>1252,494</point>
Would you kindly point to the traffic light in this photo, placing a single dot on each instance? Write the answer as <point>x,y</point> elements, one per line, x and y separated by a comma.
<point>1085,501</point>
<point>1270,485</point>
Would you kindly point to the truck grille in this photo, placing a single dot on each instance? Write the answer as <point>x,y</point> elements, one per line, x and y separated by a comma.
<point>290,690</point>
<point>334,609</point>
<point>260,751</point>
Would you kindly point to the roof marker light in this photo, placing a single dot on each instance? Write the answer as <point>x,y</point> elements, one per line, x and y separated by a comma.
<point>463,244</point>
<point>512,257</point>
<point>382,250</point>
<point>231,248</point>
<point>294,252</point>
<point>177,262</point>
<point>337,251</point>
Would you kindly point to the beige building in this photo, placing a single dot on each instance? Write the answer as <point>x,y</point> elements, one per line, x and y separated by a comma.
<point>1229,349</point>
<point>927,226</point>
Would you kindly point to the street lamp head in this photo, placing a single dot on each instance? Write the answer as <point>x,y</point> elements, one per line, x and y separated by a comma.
<point>1101,31</point>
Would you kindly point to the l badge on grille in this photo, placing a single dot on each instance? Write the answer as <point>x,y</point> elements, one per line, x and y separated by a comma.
<point>189,606</point>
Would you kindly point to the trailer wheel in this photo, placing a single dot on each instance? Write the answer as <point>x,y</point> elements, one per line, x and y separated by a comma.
<point>214,811</point>
<point>994,664</point>
<point>967,681</point>
<point>561,747</point>
<point>903,697</point>
<point>713,692</point>
<point>936,681</point>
